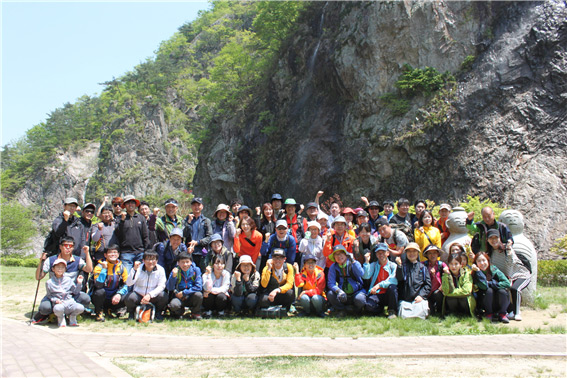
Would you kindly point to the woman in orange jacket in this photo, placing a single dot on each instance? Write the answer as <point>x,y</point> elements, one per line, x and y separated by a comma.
<point>248,240</point>
<point>312,281</point>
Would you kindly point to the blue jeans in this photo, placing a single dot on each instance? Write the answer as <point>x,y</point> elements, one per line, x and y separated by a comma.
<point>129,258</point>
<point>358,300</point>
<point>247,302</point>
<point>314,303</point>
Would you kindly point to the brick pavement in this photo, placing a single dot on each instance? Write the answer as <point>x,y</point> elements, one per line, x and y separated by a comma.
<point>24,348</point>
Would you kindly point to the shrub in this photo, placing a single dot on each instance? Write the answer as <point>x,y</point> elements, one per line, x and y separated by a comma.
<point>17,227</point>
<point>18,260</point>
<point>421,80</point>
<point>552,272</point>
<point>397,106</point>
<point>560,246</point>
<point>476,205</point>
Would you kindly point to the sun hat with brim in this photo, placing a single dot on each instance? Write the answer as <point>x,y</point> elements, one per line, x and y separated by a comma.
<point>245,259</point>
<point>70,200</point>
<point>128,199</point>
<point>313,224</point>
<point>431,247</point>
<point>221,207</point>
<point>414,246</point>
<point>322,215</point>
<point>380,247</point>
<point>59,261</point>
<point>281,223</point>
<point>291,201</point>
<point>337,249</point>
<point>244,208</point>
<point>339,219</point>
<point>177,231</point>
<point>216,237</point>
<point>374,204</point>
<point>348,210</point>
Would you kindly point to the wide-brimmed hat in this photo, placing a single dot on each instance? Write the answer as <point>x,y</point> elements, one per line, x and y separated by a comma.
<point>129,198</point>
<point>337,249</point>
<point>216,237</point>
<point>221,207</point>
<point>246,259</point>
<point>412,246</point>
<point>291,201</point>
<point>431,247</point>
<point>339,219</point>
<point>374,204</point>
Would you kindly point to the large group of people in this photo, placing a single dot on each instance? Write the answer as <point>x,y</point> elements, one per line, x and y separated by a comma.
<point>276,258</point>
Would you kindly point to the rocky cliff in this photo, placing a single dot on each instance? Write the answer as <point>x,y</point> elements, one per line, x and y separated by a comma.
<point>499,134</point>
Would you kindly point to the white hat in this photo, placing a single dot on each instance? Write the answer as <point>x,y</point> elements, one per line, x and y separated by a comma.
<point>314,224</point>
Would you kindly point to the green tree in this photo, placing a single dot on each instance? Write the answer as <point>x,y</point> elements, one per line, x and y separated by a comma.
<point>275,21</point>
<point>16,228</point>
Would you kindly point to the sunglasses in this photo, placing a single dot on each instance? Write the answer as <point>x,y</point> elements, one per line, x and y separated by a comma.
<point>88,211</point>
<point>281,228</point>
<point>116,204</point>
<point>68,245</point>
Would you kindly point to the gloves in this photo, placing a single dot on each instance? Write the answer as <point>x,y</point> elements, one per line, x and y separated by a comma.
<point>341,296</point>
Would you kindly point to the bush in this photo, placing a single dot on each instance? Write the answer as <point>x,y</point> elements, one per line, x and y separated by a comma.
<point>560,246</point>
<point>397,106</point>
<point>552,272</point>
<point>476,205</point>
<point>15,260</point>
<point>17,227</point>
<point>424,81</point>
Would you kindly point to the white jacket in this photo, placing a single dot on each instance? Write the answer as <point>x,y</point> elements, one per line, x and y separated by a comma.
<point>147,282</point>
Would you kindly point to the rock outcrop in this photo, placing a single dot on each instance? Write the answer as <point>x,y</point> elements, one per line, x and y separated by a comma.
<point>500,135</point>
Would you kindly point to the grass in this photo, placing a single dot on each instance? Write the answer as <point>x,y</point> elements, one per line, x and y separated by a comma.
<point>18,289</point>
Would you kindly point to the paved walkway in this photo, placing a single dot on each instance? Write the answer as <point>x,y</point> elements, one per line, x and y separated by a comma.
<point>26,350</point>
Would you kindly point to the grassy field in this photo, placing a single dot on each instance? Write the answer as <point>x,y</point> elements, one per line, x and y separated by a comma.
<point>550,316</point>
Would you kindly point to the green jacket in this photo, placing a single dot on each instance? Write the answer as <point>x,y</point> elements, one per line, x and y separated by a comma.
<point>481,282</point>
<point>463,289</point>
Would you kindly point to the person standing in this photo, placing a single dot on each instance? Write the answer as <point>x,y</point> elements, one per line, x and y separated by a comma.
<point>132,233</point>
<point>197,232</point>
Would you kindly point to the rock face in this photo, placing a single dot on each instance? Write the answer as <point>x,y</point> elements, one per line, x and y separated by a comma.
<point>501,135</point>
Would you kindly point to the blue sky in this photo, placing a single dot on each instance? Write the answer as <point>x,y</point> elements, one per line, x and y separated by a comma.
<point>55,52</point>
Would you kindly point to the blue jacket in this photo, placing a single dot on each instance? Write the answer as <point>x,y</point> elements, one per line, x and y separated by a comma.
<point>289,245</point>
<point>373,269</point>
<point>166,256</point>
<point>202,236</point>
<point>354,273</point>
<point>189,282</point>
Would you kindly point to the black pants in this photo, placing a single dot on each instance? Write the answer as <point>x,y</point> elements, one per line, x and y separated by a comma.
<point>284,300</point>
<point>193,301</point>
<point>133,299</point>
<point>101,302</point>
<point>216,302</point>
<point>457,305</point>
<point>436,302</point>
<point>494,301</point>
<point>375,302</point>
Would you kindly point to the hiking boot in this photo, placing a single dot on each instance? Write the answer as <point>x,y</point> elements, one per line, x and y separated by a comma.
<point>100,316</point>
<point>207,314</point>
<point>196,317</point>
<point>503,319</point>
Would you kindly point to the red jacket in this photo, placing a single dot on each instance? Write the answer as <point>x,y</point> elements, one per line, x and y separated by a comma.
<point>332,241</point>
<point>312,284</point>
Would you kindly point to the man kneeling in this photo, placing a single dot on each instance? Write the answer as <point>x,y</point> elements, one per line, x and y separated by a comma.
<point>186,284</point>
<point>148,279</point>
<point>110,278</point>
<point>277,282</point>
<point>383,282</point>
<point>345,282</point>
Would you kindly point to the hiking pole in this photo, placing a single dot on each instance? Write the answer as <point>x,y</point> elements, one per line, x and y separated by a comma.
<point>34,299</point>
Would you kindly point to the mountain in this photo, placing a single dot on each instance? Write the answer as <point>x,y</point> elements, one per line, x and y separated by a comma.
<point>417,99</point>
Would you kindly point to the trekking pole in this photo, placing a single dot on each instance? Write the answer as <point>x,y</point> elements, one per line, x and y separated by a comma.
<point>34,299</point>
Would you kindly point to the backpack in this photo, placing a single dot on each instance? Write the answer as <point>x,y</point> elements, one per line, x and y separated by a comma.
<point>145,313</point>
<point>51,244</point>
<point>525,262</point>
<point>299,223</point>
<point>272,312</point>
<point>407,230</point>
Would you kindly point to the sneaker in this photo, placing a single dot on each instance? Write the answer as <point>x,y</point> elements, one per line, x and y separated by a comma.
<point>61,322</point>
<point>392,315</point>
<point>131,316</point>
<point>39,318</point>
<point>208,314</point>
<point>196,317</point>
<point>121,312</point>
<point>100,316</point>
<point>503,318</point>
<point>518,318</point>
<point>221,314</point>
<point>511,315</point>
<point>73,321</point>
<point>159,317</point>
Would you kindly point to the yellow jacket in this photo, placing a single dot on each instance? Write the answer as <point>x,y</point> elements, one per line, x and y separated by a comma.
<point>270,282</point>
<point>423,241</point>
